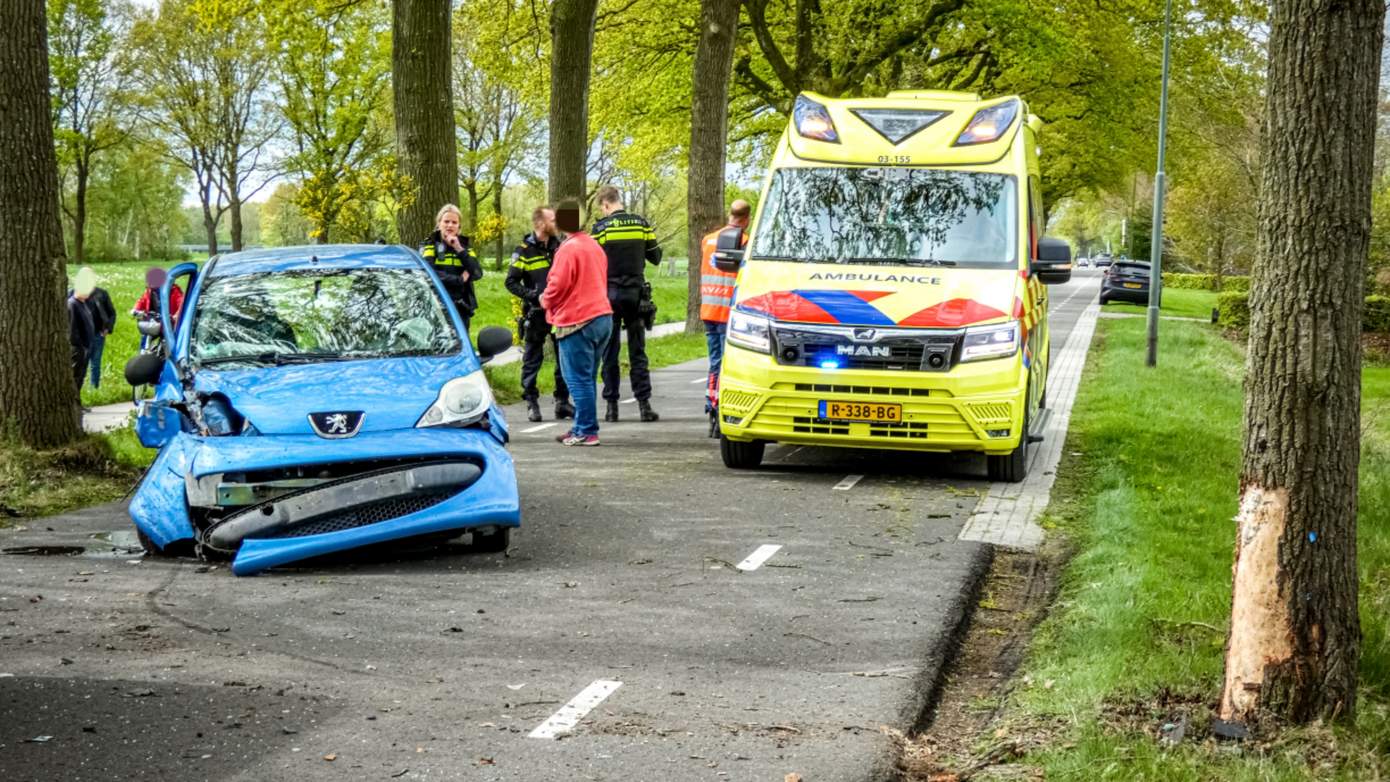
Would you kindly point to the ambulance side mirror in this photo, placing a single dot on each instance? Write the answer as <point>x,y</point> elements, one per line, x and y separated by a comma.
<point>728,250</point>
<point>1053,264</point>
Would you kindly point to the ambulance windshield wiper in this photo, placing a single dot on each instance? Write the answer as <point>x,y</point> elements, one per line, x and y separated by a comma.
<point>897,261</point>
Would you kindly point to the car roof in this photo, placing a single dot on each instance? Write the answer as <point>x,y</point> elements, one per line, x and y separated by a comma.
<point>314,256</point>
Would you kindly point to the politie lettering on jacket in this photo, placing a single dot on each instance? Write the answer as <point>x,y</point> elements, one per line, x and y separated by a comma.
<point>862,277</point>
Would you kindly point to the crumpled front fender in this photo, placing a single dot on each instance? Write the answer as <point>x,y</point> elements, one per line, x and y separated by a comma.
<point>159,507</point>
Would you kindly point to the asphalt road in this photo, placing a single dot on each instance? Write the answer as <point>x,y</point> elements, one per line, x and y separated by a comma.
<point>623,584</point>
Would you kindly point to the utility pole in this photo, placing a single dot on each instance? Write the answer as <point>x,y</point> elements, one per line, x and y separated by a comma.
<point>1156,235</point>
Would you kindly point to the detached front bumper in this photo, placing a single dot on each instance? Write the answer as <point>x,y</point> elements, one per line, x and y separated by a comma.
<point>386,503</point>
<point>973,407</point>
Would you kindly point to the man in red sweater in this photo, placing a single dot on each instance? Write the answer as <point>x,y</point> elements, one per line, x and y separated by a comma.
<point>576,304</point>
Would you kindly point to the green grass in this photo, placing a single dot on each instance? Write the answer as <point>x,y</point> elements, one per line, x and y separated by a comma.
<point>1146,495</point>
<point>1180,302</point>
<point>42,483</point>
<point>126,281</point>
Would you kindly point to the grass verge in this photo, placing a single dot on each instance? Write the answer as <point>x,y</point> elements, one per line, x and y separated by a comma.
<point>1135,640</point>
<point>33,483</point>
<point>1179,302</point>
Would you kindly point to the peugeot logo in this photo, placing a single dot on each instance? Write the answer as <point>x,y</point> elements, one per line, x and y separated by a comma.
<point>865,335</point>
<point>336,426</point>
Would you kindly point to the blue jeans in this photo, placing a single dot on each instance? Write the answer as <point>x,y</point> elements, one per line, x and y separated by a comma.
<point>714,343</point>
<point>98,344</point>
<point>580,356</point>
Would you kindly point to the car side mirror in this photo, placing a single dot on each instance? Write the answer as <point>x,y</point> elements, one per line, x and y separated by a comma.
<point>144,369</point>
<point>1053,264</point>
<point>728,249</point>
<point>492,341</point>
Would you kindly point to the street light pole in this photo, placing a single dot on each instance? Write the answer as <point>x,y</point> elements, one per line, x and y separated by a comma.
<point>1156,235</point>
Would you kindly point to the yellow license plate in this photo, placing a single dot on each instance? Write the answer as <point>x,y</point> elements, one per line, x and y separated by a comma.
<point>1133,285</point>
<point>861,411</point>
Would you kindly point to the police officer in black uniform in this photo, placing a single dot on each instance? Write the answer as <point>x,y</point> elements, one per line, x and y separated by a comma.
<point>629,242</point>
<point>451,254</point>
<point>526,280</point>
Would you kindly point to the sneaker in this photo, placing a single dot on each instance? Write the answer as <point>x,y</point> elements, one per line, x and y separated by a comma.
<point>580,439</point>
<point>563,409</point>
<point>563,436</point>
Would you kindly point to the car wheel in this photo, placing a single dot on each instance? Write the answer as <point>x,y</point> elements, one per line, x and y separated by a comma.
<point>1011,467</point>
<point>741,456</point>
<point>1104,300</point>
<point>494,543</point>
<point>179,548</point>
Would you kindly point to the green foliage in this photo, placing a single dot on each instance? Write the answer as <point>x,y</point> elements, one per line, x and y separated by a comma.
<point>1205,282</point>
<point>1235,310</point>
<point>1375,317</point>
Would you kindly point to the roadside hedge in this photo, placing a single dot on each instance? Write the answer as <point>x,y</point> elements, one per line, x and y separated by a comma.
<point>1205,282</point>
<point>1235,312</point>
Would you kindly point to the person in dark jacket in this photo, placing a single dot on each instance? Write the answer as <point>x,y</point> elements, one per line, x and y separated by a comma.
<point>80,333</point>
<point>526,279</point>
<point>103,322</point>
<point>453,259</point>
<point>629,242</point>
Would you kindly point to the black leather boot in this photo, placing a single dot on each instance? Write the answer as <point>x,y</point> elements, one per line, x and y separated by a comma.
<point>644,408</point>
<point>533,410</point>
<point>612,414</point>
<point>564,410</point>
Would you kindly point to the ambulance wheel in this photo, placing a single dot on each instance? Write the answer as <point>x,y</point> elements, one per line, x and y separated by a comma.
<point>741,456</point>
<point>1013,466</point>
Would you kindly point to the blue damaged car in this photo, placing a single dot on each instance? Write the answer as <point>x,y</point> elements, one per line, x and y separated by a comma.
<point>314,400</point>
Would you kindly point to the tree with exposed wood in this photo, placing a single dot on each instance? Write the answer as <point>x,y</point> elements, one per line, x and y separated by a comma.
<point>37,399</point>
<point>426,151</point>
<point>709,133</point>
<point>1294,642</point>
<point>571,55</point>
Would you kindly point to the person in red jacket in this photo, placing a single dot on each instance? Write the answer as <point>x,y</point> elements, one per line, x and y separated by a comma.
<point>148,305</point>
<point>576,304</point>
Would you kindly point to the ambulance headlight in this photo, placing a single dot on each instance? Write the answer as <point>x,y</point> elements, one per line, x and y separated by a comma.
<point>997,341</point>
<point>750,332</point>
<point>813,120</point>
<point>461,401</point>
<point>989,124</point>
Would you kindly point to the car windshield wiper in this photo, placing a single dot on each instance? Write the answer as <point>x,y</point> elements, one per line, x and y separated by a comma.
<point>278,358</point>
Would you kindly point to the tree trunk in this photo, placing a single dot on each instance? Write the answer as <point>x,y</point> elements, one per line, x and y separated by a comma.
<point>79,210</point>
<point>1294,640</point>
<point>709,130</point>
<point>572,47</point>
<point>210,227</point>
<point>37,398</point>
<point>424,104</point>
<point>234,207</point>
<point>499,245</point>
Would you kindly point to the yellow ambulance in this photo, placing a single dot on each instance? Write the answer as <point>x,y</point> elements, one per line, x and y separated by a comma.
<point>892,290</point>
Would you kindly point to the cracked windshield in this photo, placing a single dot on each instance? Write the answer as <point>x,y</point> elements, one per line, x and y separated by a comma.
<point>889,215</point>
<point>320,316</point>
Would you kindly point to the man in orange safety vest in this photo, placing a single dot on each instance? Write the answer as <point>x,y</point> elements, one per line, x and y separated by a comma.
<point>716,298</point>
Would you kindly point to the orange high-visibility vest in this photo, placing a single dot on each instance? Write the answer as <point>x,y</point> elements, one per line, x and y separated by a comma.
<point>716,287</point>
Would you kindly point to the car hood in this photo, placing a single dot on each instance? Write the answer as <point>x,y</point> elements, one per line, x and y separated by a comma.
<point>392,393</point>
<point>919,297</point>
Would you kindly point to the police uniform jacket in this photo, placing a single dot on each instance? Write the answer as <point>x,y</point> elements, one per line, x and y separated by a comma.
<point>628,240</point>
<point>530,267</point>
<point>450,266</point>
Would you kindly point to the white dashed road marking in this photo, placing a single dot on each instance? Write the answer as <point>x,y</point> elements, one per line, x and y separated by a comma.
<point>537,428</point>
<point>569,715</point>
<point>699,380</point>
<point>757,558</point>
<point>628,401</point>
<point>848,482</point>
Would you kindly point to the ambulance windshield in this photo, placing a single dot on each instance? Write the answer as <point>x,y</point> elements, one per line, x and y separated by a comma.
<point>908,216</point>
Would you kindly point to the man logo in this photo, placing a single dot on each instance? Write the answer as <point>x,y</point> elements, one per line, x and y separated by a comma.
<point>336,426</point>
<point>859,351</point>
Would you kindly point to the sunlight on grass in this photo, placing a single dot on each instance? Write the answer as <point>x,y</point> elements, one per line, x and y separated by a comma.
<point>1181,302</point>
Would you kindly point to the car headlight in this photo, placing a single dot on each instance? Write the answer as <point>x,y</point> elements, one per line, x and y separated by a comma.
<point>749,331</point>
<point>997,341</point>
<point>461,401</point>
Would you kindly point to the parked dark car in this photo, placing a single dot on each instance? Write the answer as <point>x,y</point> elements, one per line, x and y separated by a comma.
<point>1102,261</point>
<point>1125,281</point>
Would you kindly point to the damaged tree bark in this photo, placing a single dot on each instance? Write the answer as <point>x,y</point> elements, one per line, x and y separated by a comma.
<point>1295,637</point>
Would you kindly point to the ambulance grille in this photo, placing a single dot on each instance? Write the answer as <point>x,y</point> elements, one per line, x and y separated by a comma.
<point>919,353</point>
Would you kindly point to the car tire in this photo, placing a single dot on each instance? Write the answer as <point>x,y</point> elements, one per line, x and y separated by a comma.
<point>1104,300</point>
<point>179,548</point>
<point>494,543</point>
<point>1011,467</point>
<point>741,456</point>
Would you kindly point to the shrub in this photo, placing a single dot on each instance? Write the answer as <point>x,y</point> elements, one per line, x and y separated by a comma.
<point>1240,284</point>
<point>1375,317</point>
<point>1235,310</point>
<point>1204,282</point>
